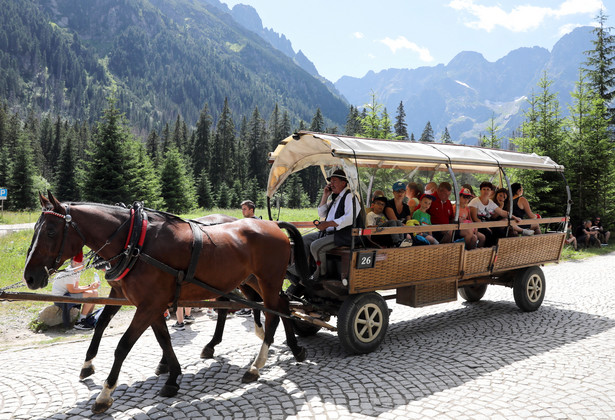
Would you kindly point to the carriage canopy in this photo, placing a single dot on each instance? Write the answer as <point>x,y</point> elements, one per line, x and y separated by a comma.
<point>305,149</point>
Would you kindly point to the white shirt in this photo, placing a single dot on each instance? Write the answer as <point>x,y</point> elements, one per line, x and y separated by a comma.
<point>484,211</point>
<point>346,219</point>
<point>61,281</point>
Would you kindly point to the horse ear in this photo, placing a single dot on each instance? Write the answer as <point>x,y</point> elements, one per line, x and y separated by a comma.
<point>54,201</point>
<point>45,204</point>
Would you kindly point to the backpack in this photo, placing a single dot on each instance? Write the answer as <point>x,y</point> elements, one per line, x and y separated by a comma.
<point>92,319</point>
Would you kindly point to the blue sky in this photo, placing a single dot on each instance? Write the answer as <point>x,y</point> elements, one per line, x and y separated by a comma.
<point>352,37</point>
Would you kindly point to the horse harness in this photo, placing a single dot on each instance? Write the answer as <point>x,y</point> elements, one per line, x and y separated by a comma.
<point>133,252</point>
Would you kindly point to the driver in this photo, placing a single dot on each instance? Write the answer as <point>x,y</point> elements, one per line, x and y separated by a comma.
<point>336,229</point>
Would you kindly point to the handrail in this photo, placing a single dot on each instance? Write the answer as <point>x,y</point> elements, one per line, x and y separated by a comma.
<point>453,226</point>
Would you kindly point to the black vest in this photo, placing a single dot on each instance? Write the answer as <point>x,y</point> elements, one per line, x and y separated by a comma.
<point>343,237</point>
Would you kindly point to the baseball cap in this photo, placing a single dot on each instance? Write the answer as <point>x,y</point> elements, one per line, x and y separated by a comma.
<point>399,186</point>
<point>466,192</point>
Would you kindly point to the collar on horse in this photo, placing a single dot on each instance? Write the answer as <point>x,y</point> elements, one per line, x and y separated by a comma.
<point>133,245</point>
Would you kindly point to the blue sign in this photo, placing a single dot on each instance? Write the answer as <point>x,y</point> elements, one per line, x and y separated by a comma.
<point>3,193</point>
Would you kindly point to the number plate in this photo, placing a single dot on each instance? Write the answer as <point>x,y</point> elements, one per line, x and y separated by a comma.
<point>366,259</point>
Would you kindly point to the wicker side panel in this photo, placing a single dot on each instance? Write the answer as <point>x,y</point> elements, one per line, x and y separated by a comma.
<point>528,250</point>
<point>477,262</point>
<point>394,267</point>
<point>427,294</point>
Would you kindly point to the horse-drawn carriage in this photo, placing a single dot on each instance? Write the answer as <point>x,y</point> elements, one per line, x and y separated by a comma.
<point>361,278</point>
<point>156,259</point>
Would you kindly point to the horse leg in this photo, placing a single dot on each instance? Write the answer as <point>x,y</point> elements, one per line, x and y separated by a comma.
<point>140,322</point>
<point>271,323</point>
<point>169,358</point>
<point>251,294</point>
<point>208,350</point>
<point>103,322</point>
<point>258,325</point>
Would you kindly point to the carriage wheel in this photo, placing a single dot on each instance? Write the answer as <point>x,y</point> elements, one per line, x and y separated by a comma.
<point>529,289</point>
<point>473,293</point>
<point>362,322</point>
<point>302,328</point>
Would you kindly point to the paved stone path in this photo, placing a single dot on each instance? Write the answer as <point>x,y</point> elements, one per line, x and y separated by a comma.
<point>455,360</point>
<point>4,229</point>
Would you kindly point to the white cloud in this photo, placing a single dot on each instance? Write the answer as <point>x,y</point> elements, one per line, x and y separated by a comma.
<point>401,42</point>
<point>566,29</point>
<point>521,18</point>
<point>358,35</point>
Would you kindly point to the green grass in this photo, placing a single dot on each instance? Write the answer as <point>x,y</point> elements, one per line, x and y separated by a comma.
<point>18,217</point>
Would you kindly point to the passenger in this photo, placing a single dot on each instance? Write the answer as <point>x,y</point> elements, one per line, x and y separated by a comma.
<point>377,219</point>
<point>431,188</point>
<point>67,283</point>
<point>501,199</point>
<point>603,234</point>
<point>470,236</point>
<point>441,212</point>
<point>585,236</point>
<point>413,192</point>
<point>377,193</point>
<point>424,218</point>
<point>483,209</point>
<point>336,228</point>
<point>570,238</point>
<point>521,207</point>
<point>396,209</point>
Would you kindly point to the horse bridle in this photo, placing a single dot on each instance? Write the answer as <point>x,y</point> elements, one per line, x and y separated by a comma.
<point>68,221</point>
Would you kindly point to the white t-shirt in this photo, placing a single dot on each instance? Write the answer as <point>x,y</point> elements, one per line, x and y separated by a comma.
<point>61,281</point>
<point>373,219</point>
<point>485,211</point>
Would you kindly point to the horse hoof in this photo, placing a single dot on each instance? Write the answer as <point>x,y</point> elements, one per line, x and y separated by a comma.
<point>169,391</point>
<point>301,355</point>
<point>249,377</point>
<point>85,372</point>
<point>207,353</point>
<point>161,368</point>
<point>101,407</point>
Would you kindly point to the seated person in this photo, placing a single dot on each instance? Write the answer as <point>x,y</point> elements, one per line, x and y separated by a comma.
<point>413,192</point>
<point>521,207</point>
<point>396,209</point>
<point>570,238</point>
<point>585,236</point>
<point>483,209</point>
<point>67,283</point>
<point>424,218</point>
<point>337,217</point>
<point>376,218</point>
<point>603,234</point>
<point>501,199</point>
<point>441,211</point>
<point>377,193</point>
<point>470,236</point>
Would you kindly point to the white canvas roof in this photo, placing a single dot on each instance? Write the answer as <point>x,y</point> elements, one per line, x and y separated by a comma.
<point>305,149</point>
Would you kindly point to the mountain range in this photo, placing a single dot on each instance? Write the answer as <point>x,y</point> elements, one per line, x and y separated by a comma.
<point>466,93</point>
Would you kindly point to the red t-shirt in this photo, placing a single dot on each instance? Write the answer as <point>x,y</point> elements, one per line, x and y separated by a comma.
<point>441,212</point>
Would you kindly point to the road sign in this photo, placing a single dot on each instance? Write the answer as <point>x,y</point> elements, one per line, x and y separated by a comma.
<point>3,193</point>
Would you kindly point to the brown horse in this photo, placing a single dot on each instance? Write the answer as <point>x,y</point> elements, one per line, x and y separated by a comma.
<point>249,288</point>
<point>230,253</point>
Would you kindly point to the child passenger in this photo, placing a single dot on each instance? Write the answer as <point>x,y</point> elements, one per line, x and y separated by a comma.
<point>424,218</point>
<point>377,218</point>
<point>470,236</point>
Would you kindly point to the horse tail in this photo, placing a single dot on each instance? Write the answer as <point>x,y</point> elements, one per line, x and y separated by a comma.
<point>301,262</point>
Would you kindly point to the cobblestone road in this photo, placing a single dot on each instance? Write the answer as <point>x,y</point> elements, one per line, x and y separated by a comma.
<point>456,360</point>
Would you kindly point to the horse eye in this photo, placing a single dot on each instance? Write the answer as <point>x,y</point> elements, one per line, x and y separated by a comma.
<point>51,233</point>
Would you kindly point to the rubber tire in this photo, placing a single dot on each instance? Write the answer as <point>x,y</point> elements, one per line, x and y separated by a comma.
<point>302,328</point>
<point>355,336</point>
<point>473,293</point>
<point>529,289</point>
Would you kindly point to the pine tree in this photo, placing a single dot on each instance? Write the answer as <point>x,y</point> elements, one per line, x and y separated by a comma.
<point>446,137</point>
<point>318,122</point>
<point>21,182</point>
<point>492,139</point>
<point>110,162</point>
<point>257,153</point>
<point>204,192</point>
<point>401,128</point>
<point>224,196</point>
<point>589,161</point>
<point>66,180</point>
<point>178,189</point>
<point>427,134</point>
<point>412,137</point>
<point>222,164</point>
<point>285,129</point>
<point>601,64</point>
<point>166,138</point>
<point>152,147</point>
<point>201,151</point>
<point>353,122</point>
<point>145,184</point>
